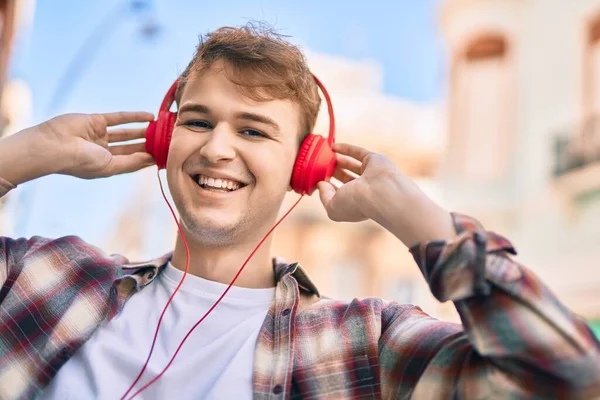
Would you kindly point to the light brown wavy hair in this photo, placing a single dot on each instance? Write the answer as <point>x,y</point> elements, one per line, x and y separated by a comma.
<point>263,64</point>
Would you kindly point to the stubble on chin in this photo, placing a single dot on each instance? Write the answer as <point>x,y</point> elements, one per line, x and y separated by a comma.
<point>207,234</point>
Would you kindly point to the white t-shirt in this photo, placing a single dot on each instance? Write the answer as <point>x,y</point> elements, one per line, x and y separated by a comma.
<point>216,361</point>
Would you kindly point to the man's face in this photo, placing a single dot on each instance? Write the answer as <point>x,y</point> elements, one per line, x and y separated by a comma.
<point>230,159</point>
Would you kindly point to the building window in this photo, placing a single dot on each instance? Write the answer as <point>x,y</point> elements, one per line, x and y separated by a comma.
<point>592,75</point>
<point>585,141</point>
<point>482,111</point>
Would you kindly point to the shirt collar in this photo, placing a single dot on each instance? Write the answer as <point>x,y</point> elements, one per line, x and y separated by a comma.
<point>145,272</point>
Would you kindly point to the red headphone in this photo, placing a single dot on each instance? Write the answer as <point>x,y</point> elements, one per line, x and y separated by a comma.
<point>315,161</point>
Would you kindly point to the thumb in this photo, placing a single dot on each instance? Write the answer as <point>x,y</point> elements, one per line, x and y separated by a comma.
<point>326,192</point>
<point>124,164</point>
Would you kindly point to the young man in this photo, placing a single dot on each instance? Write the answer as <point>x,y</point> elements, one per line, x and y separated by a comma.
<point>78,323</point>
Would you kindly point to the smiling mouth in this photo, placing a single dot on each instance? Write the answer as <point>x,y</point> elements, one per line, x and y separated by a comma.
<point>217,184</point>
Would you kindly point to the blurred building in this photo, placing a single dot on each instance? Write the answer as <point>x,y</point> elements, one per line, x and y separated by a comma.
<point>345,260</point>
<point>523,151</point>
<point>8,18</point>
<point>16,16</point>
<point>15,96</point>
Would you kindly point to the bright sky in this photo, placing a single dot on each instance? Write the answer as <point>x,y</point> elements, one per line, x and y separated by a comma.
<point>120,70</point>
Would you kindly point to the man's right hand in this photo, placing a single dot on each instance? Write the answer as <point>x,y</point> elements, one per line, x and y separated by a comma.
<point>76,145</point>
<point>82,141</point>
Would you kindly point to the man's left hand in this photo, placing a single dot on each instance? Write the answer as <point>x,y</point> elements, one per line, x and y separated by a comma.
<point>373,188</point>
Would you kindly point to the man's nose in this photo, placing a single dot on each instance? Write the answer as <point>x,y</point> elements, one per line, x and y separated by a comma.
<point>219,144</point>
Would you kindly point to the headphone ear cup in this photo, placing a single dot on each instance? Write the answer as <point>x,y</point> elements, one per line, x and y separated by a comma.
<point>158,137</point>
<point>298,173</point>
<point>315,162</point>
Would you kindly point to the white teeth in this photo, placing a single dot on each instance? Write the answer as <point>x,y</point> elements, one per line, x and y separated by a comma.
<point>218,183</point>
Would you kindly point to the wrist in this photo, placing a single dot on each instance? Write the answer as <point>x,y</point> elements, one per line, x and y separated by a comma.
<point>414,218</point>
<point>42,153</point>
<point>27,155</point>
<point>47,150</point>
<point>434,224</point>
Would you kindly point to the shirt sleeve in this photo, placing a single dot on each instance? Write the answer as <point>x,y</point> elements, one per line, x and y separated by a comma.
<point>5,187</point>
<point>516,340</point>
<point>12,252</point>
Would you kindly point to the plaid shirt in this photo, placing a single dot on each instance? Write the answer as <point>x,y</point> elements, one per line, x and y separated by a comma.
<point>516,339</point>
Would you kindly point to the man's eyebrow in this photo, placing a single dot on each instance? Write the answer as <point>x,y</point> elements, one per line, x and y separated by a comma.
<point>194,107</point>
<point>258,118</point>
<point>248,116</point>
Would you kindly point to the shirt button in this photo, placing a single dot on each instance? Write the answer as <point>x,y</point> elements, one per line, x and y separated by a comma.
<point>277,389</point>
<point>286,312</point>
<point>64,353</point>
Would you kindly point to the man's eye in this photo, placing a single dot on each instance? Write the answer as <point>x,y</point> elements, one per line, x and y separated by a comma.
<point>253,133</point>
<point>199,124</point>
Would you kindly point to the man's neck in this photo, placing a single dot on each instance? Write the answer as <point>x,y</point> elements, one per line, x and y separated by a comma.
<point>221,264</point>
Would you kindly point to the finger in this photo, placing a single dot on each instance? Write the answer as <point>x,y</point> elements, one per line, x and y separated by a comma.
<point>336,184</point>
<point>123,164</point>
<point>127,149</point>
<point>350,150</point>
<point>125,134</point>
<point>326,192</point>
<point>343,175</point>
<point>349,163</point>
<point>126,117</point>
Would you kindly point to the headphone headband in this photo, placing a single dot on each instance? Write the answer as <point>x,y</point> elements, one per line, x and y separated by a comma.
<point>169,98</point>
<point>331,135</point>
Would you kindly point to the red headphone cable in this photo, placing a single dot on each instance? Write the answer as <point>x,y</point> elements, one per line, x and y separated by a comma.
<point>187,264</point>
